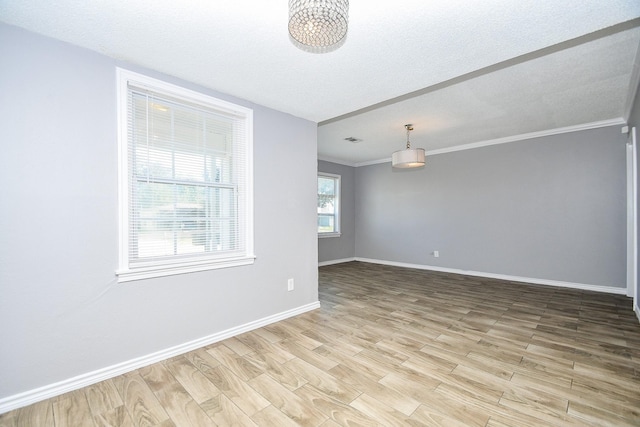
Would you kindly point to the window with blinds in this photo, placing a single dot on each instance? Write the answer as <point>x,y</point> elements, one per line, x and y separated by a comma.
<point>185,180</point>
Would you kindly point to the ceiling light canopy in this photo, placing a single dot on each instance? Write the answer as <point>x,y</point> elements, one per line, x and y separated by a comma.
<point>409,157</point>
<point>318,25</point>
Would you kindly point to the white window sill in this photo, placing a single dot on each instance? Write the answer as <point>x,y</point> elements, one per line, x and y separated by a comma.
<point>149,272</point>
<point>324,235</point>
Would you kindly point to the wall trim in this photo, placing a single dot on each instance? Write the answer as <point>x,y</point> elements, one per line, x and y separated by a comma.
<point>335,261</point>
<point>338,161</point>
<point>637,311</point>
<point>532,135</point>
<point>373,162</point>
<point>32,396</point>
<point>535,281</point>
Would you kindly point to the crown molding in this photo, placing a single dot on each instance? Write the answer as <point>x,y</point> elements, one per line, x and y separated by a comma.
<point>532,135</point>
<point>337,161</point>
<point>372,162</point>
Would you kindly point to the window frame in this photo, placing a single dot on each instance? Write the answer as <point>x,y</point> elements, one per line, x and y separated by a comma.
<point>336,214</point>
<point>177,264</point>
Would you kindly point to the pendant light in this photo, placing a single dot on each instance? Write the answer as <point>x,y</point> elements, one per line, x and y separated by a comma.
<point>409,157</point>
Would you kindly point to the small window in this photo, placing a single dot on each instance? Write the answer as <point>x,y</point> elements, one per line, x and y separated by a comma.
<point>185,175</point>
<point>328,205</point>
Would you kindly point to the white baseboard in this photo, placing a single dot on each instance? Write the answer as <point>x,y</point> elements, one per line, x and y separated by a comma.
<point>335,261</point>
<point>535,281</point>
<point>32,396</point>
<point>637,310</point>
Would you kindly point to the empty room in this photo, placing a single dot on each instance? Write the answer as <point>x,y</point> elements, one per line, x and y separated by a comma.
<point>319,213</point>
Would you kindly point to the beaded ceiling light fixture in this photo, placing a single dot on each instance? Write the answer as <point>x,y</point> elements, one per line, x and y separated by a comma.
<point>318,26</point>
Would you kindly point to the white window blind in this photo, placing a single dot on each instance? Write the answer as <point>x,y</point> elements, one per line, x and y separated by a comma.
<point>186,164</point>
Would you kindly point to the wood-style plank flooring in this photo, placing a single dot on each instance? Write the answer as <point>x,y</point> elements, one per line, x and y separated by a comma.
<point>391,346</point>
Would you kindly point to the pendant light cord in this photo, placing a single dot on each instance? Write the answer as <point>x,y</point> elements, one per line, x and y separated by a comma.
<point>409,129</point>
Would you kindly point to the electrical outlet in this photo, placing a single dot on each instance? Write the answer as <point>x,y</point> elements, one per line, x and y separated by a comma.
<point>290,284</point>
<point>436,254</point>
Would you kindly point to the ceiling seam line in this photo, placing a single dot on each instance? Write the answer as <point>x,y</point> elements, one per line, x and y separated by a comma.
<point>520,59</point>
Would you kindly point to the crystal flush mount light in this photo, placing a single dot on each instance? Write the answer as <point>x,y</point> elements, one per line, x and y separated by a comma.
<point>318,25</point>
<point>409,157</point>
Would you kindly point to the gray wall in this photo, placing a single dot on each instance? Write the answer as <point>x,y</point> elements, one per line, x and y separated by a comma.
<point>61,312</point>
<point>343,247</point>
<point>550,208</point>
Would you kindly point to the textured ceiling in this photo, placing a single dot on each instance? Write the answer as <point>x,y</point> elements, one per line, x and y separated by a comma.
<point>462,71</point>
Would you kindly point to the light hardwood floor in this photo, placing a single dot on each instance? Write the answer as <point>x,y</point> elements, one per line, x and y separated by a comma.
<point>391,346</point>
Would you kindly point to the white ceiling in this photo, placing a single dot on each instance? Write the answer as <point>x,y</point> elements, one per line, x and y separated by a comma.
<point>462,71</point>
